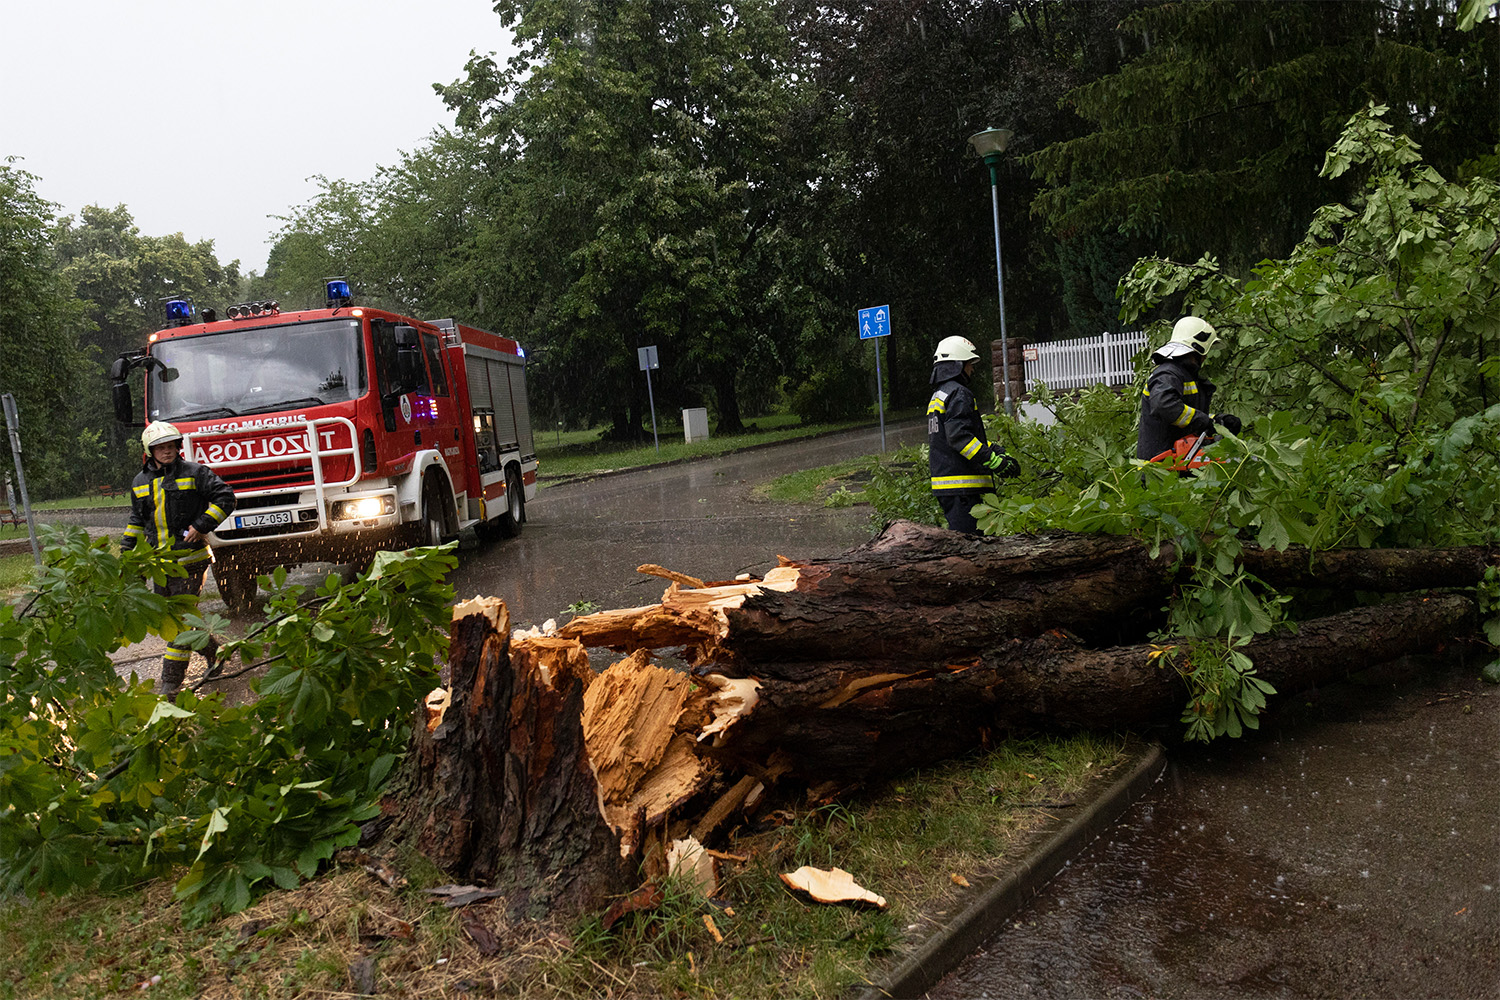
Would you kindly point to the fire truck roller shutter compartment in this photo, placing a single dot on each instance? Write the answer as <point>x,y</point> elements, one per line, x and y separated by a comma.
<point>519,407</point>
<point>491,375</point>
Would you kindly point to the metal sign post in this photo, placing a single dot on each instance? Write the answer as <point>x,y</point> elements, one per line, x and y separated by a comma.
<point>646,356</point>
<point>875,322</point>
<point>13,425</point>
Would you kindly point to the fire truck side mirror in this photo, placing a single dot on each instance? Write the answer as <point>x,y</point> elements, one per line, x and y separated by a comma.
<point>124,409</point>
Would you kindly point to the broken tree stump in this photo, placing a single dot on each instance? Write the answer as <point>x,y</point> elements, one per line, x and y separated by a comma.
<point>498,788</point>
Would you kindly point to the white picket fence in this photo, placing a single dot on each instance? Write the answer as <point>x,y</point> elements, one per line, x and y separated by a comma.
<point>1084,361</point>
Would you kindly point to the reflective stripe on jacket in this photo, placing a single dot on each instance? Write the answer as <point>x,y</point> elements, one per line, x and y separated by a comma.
<point>1175,403</point>
<point>166,500</point>
<point>957,447</point>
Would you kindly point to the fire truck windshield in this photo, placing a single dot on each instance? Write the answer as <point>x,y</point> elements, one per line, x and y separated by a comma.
<point>258,370</point>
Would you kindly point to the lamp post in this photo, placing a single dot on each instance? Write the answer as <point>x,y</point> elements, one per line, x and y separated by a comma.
<point>990,144</point>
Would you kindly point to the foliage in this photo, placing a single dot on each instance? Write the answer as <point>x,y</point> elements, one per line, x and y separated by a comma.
<point>41,360</point>
<point>1364,366</point>
<point>1224,695</point>
<point>121,276</point>
<point>899,489</point>
<point>832,394</point>
<point>104,784</point>
<point>1208,138</point>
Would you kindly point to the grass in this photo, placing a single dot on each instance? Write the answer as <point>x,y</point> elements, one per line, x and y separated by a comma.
<point>582,453</point>
<point>821,485</point>
<point>15,572</point>
<point>19,531</point>
<point>906,840</point>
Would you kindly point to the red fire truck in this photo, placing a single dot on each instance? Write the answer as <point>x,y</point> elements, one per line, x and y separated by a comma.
<point>343,430</point>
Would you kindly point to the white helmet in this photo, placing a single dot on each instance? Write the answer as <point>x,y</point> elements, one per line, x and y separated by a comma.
<point>159,432</point>
<point>955,349</point>
<point>1194,333</point>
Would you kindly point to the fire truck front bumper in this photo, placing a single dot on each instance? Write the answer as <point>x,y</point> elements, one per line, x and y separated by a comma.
<point>372,513</point>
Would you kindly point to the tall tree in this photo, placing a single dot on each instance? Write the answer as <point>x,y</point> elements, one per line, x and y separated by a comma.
<point>903,85</point>
<point>41,362</point>
<point>1210,139</point>
<point>643,146</point>
<point>122,276</point>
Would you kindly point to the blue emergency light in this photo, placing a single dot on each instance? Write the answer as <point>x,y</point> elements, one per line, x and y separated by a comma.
<point>179,312</point>
<point>338,293</point>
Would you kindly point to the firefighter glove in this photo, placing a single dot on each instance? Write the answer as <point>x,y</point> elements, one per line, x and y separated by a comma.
<point>1231,422</point>
<point>1003,466</point>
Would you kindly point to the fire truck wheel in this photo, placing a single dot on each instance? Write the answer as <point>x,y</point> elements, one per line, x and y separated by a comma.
<point>431,526</point>
<point>515,504</point>
<point>237,587</point>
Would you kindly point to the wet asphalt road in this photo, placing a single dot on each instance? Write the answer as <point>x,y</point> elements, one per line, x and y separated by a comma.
<point>1352,849</point>
<point>583,541</point>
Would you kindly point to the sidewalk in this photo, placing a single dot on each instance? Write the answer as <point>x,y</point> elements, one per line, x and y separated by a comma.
<point>949,941</point>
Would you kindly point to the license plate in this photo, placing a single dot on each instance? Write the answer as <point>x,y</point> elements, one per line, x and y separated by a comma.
<point>262,520</point>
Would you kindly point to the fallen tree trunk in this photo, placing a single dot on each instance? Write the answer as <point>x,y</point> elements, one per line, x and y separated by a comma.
<point>916,647</point>
<point>854,720</point>
<point>925,593</point>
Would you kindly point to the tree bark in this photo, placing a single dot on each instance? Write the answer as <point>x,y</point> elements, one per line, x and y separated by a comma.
<point>854,720</point>
<point>497,787</point>
<point>921,592</point>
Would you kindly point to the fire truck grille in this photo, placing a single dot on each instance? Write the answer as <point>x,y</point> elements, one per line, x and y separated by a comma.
<point>269,479</point>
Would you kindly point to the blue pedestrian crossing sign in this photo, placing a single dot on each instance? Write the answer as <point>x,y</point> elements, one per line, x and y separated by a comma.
<point>874,321</point>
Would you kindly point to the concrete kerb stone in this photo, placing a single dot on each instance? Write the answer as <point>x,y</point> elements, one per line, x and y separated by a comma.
<point>945,948</point>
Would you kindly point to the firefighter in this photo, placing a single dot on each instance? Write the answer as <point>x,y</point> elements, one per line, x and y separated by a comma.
<point>175,503</point>
<point>1176,400</point>
<point>960,459</point>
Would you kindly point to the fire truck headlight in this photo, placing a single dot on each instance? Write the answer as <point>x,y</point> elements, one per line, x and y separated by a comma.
<point>349,510</point>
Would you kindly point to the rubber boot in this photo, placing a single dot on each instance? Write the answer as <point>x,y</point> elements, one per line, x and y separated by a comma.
<point>173,670</point>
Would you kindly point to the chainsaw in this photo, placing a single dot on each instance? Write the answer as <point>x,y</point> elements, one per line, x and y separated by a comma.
<point>1185,454</point>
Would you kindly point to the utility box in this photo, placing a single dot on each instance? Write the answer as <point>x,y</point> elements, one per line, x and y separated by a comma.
<point>695,425</point>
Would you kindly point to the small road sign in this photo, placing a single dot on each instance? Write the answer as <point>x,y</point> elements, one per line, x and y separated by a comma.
<point>874,321</point>
<point>647,358</point>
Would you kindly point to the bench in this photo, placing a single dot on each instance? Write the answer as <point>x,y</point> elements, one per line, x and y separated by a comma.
<point>112,492</point>
<point>9,516</point>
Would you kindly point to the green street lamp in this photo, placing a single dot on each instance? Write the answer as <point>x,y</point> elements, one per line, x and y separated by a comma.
<point>990,144</point>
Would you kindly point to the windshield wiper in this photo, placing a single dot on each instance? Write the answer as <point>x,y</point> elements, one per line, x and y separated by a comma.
<point>288,404</point>
<point>215,411</point>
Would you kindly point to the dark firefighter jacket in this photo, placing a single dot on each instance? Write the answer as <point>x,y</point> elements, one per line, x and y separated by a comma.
<point>166,500</point>
<point>1174,404</point>
<point>959,455</point>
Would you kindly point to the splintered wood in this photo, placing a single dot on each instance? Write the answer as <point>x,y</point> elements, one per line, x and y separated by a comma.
<point>836,886</point>
<point>913,648</point>
<point>640,725</point>
<point>692,617</point>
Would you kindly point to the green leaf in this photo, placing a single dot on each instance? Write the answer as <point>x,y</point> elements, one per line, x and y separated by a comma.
<point>218,822</point>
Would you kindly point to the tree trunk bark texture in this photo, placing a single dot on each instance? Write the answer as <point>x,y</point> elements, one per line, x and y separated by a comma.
<point>497,786</point>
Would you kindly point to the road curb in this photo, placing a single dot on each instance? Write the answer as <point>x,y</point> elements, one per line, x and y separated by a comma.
<point>943,950</point>
<point>585,477</point>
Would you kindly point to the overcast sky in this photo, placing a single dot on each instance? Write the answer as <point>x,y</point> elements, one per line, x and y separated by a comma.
<point>206,118</point>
